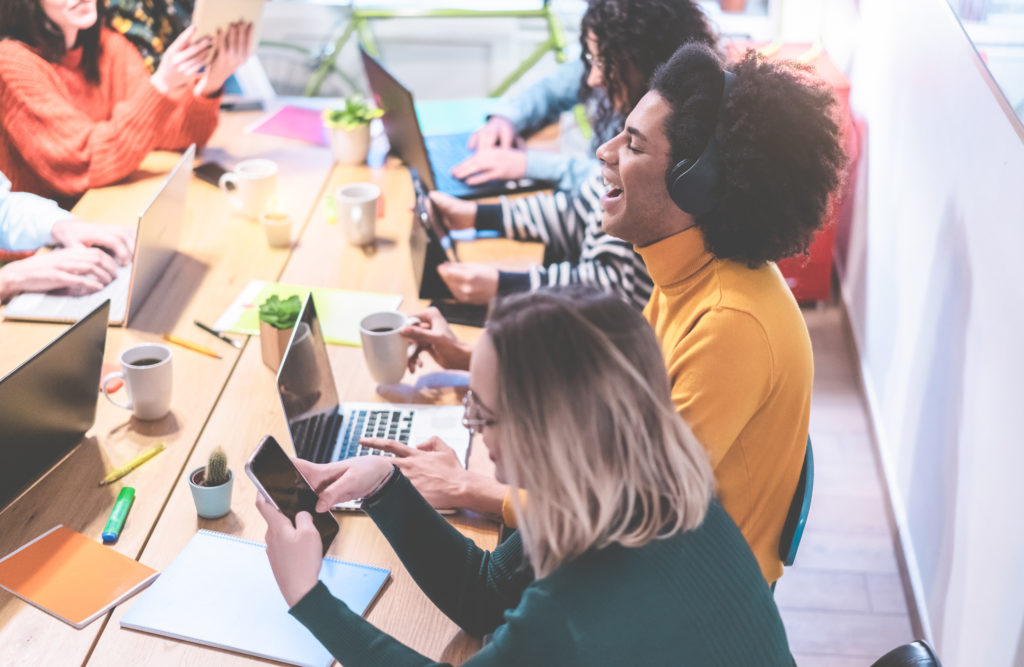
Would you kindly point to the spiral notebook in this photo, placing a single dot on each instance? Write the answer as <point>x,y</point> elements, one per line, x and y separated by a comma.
<point>71,576</point>
<point>220,591</point>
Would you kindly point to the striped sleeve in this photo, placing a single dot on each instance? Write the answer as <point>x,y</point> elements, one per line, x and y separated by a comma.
<point>576,250</point>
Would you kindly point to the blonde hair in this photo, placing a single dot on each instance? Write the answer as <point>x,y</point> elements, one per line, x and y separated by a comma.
<point>588,428</point>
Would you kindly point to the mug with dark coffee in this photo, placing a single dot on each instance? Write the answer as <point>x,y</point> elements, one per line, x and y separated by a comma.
<point>385,350</point>
<point>146,370</point>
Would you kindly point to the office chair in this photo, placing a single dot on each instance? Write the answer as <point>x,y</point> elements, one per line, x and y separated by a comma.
<point>799,507</point>
<point>917,654</point>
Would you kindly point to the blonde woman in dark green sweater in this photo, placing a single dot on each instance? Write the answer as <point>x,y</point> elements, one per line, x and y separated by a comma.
<point>622,556</point>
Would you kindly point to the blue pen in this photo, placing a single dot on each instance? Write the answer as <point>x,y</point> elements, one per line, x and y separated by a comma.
<point>112,530</point>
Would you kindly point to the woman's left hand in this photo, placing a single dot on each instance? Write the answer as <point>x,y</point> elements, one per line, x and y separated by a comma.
<point>231,50</point>
<point>295,552</point>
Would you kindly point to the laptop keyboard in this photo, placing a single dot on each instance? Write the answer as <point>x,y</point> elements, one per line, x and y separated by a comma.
<point>322,430</point>
<point>447,150</point>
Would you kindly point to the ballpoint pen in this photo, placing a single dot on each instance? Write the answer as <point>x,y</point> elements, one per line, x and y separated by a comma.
<point>210,330</point>
<point>171,338</point>
<point>132,465</point>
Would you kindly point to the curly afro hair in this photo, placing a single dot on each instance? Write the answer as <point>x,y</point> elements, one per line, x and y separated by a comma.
<point>636,33</point>
<point>779,146</point>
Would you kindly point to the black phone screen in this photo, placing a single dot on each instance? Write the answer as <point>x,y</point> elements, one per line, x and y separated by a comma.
<point>210,172</point>
<point>289,490</point>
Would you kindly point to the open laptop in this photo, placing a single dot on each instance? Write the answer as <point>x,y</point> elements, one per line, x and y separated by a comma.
<point>49,402</point>
<point>156,242</point>
<point>323,429</point>
<point>435,155</point>
<point>431,245</point>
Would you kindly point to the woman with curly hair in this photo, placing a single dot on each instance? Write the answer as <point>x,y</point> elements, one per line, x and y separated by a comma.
<point>78,107</point>
<point>623,557</point>
<point>623,41</point>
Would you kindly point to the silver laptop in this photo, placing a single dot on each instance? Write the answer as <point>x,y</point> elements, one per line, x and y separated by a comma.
<point>325,430</point>
<point>156,242</point>
<point>48,403</point>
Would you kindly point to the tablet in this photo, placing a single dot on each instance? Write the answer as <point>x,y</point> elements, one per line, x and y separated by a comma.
<point>212,14</point>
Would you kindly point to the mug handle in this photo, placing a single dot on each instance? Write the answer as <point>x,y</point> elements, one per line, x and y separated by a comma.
<point>228,183</point>
<point>107,380</point>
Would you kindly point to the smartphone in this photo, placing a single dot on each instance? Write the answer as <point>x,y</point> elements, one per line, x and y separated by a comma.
<point>210,172</point>
<point>283,485</point>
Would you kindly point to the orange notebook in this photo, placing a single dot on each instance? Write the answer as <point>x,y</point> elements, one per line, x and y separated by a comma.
<point>72,577</point>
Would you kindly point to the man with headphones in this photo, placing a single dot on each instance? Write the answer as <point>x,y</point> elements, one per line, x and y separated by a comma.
<point>715,177</point>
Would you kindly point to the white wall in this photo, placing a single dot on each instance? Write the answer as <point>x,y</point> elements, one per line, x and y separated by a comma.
<point>932,270</point>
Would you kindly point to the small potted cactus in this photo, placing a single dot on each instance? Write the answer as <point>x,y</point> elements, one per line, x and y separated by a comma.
<point>211,486</point>
<point>277,318</point>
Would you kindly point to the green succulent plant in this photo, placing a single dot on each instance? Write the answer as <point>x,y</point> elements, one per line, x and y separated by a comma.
<point>216,468</point>
<point>280,313</point>
<point>356,112</point>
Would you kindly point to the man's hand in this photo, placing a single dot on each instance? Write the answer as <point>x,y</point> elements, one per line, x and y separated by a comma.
<point>181,62</point>
<point>295,552</point>
<point>433,336</point>
<point>498,131</point>
<point>78,270</point>
<point>345,480</point>
<point>231,50</point>
<point>470,282</point>
<point>75,233</point>
<point>455,213</point>
<point>436,472</point>
<point>490,164</point>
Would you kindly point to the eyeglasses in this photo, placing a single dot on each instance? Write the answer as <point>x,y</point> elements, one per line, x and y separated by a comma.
<point>593,61</point>
<point>474,424</point>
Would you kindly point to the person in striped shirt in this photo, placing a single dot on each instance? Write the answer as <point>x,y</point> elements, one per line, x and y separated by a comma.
<point>623,42</point>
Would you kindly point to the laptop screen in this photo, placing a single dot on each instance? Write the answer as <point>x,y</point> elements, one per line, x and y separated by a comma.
<point>400,123</point>
<point>49,402</point>
<point>304,381</point>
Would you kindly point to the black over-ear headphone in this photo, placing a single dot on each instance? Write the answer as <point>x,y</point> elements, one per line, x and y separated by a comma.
<point>691,181</point>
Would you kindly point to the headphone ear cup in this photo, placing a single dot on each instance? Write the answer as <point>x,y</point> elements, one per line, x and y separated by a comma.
<point>691,182</point>
<point>677,183</point>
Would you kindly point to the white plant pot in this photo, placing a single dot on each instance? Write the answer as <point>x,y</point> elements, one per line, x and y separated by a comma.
<point>350,146</point>
<point>212,502</point>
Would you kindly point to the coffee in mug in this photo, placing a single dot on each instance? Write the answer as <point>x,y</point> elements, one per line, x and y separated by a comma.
<point>252,184</point>
<point>385,350</point>
<point>146,371</point>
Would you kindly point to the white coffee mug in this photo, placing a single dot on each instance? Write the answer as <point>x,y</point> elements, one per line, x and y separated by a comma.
<point>385,350</point>
<point>357,212</point>
<point>253,183</point>
<point>146,370</point>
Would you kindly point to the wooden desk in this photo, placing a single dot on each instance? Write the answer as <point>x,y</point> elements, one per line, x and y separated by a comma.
<point>220,252</point>
<point>230,403</point>
<point>250,408</point>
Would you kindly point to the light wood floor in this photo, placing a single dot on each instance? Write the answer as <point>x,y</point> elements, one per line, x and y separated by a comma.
<point>843,602</point>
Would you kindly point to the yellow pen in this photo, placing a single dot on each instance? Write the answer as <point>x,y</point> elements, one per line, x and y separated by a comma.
<point>133,464</point>
<point>171,338</point>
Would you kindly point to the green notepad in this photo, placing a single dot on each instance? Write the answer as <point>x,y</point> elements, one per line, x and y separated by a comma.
<point>339,310</point>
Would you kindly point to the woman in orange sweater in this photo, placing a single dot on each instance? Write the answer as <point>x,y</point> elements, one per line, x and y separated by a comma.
<point>78,107</point>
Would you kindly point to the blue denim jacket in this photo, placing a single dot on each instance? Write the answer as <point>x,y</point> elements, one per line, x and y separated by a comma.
<point>540,105</point>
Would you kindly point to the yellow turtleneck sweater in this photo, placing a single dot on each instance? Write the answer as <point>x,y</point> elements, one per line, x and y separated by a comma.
<point>740,365</point>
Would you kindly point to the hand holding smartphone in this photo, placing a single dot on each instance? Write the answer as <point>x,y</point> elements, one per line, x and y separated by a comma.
<point>284,486</point>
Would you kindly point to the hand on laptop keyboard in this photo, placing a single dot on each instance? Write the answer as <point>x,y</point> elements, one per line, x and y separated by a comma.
<point>432,466</point>
<point>492,164</point>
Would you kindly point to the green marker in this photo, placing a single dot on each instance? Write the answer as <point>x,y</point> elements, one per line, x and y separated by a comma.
<point>112,530</point>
